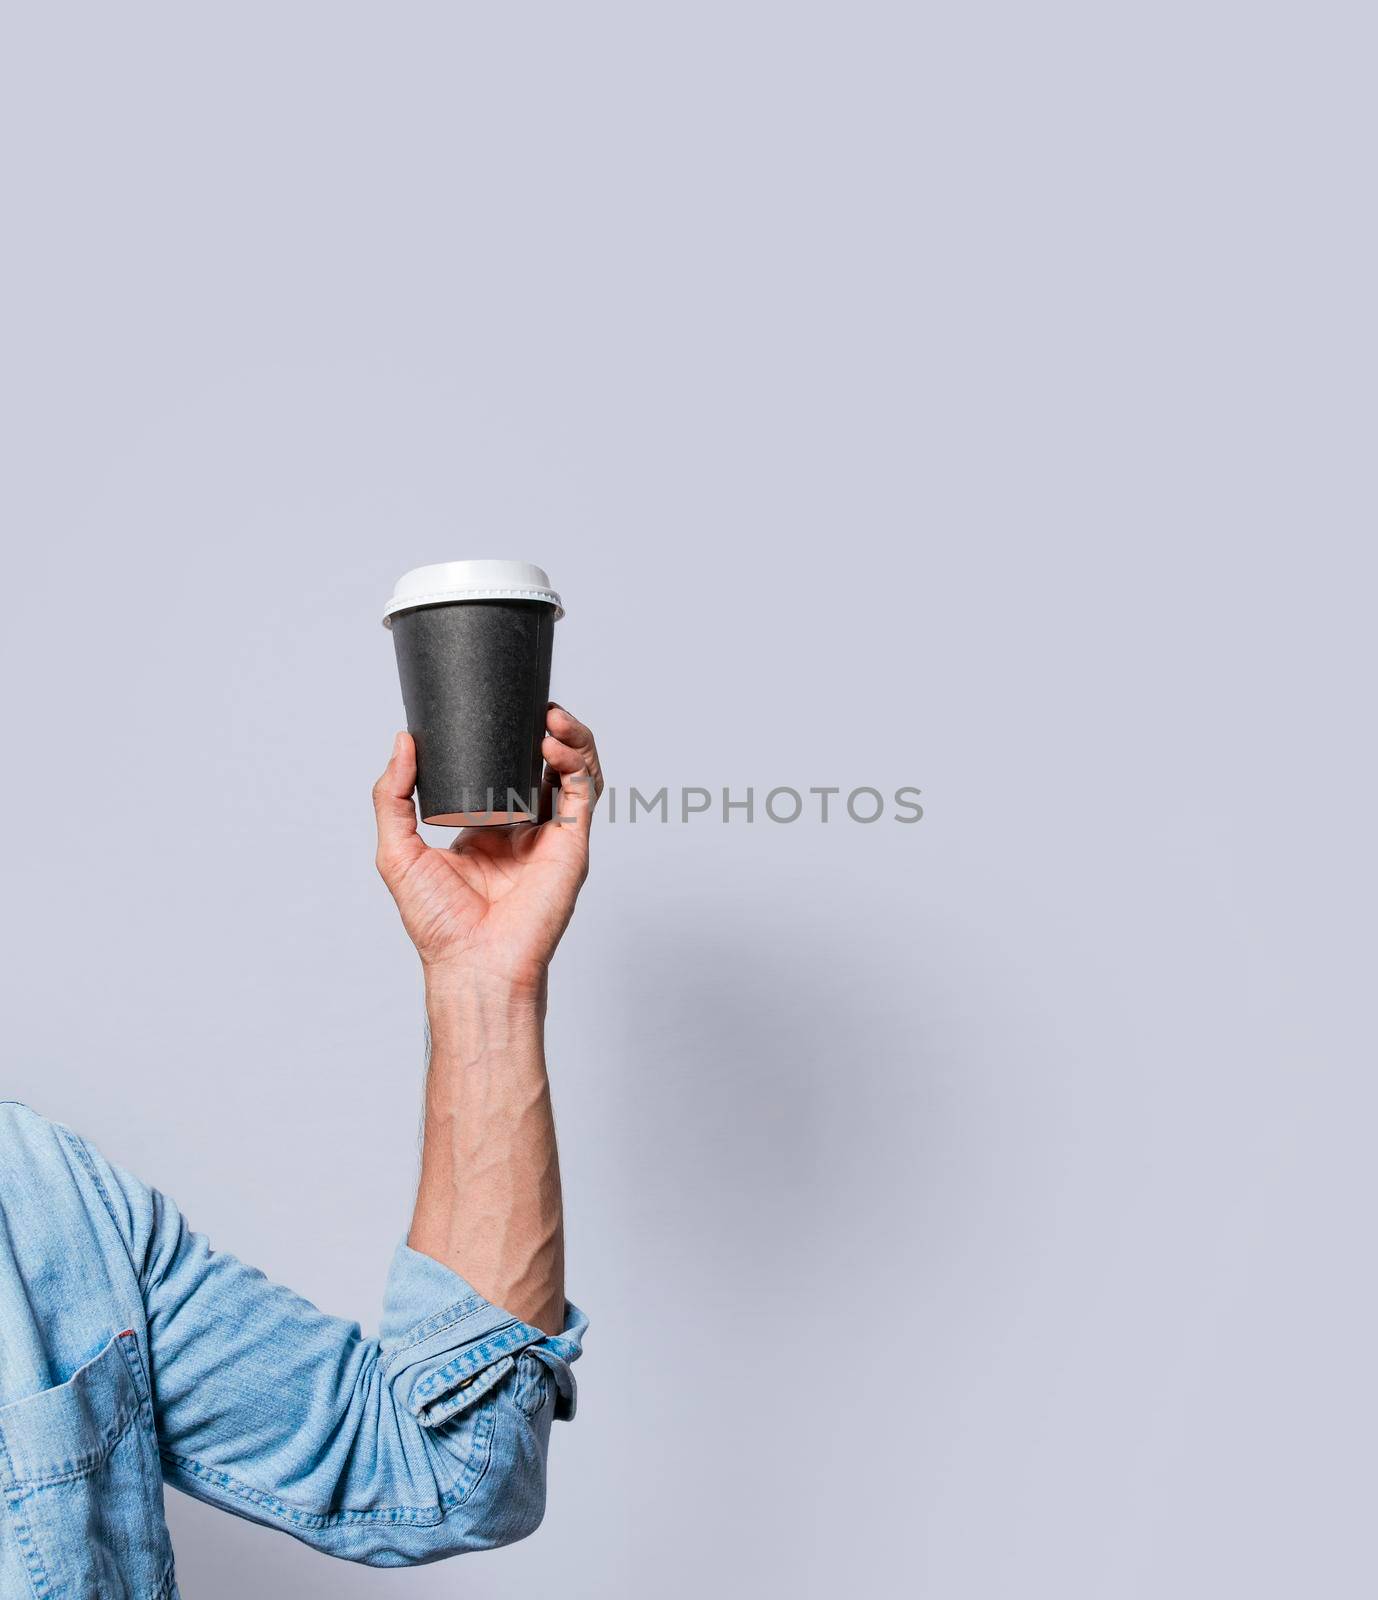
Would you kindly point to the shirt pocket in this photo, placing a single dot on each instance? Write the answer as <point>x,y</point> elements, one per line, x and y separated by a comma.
<point>83,1486</point>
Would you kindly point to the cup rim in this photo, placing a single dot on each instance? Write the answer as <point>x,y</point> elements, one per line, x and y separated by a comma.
<point>449,583</point>
<point>445,597</point>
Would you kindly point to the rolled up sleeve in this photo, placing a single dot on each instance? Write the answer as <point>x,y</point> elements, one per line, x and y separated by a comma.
<point>426,1442</point>
<point>442,1362</point>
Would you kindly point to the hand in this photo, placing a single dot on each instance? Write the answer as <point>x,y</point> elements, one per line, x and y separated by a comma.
<point>492,906</point>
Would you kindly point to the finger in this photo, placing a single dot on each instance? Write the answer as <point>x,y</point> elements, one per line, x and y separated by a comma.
<point>563,758</point>
<point>398,840</point>
<point>573,796</point>
<point>567,727</point>
<point>573,785</point>
<point>569,734</point>
<point>574,779</point>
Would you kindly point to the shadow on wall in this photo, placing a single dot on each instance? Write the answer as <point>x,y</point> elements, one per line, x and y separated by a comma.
<point>758,1136</point>
<point>734,1041</point>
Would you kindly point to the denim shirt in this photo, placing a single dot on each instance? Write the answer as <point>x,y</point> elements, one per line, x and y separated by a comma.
<point>132,1354</point>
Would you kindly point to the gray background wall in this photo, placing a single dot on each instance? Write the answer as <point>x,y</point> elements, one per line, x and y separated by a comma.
<point>970,397</point>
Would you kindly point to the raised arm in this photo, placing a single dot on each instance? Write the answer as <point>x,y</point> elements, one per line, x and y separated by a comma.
<point>485,916</point>
<point>431,1439</point>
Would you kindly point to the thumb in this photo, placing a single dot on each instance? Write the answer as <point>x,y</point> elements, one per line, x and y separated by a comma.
<point>399,843</point>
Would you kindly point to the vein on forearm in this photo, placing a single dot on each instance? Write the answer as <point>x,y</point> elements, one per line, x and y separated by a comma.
<point>489,1202</point>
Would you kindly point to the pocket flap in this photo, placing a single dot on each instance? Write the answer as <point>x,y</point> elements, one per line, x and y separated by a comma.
<point>69,1430</point>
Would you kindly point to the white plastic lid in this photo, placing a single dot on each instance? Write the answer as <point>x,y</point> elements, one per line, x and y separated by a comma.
<point>470,580</point>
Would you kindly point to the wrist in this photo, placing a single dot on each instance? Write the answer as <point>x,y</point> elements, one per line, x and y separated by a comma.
<point>460,992</point>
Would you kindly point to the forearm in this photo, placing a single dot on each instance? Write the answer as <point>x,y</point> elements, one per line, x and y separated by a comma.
<point>488,1204</point>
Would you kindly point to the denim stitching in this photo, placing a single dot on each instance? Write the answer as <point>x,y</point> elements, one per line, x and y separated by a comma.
<point>84,1156</point>
<point>440,1411</point>
<point>411,1516</point>
<point>83,1466</point>
<point>514,1337</point>
<point>441,1322</point>
<point>33,1561</point>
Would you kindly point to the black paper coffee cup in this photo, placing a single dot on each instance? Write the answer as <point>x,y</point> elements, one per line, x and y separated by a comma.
<point>473,642</point>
